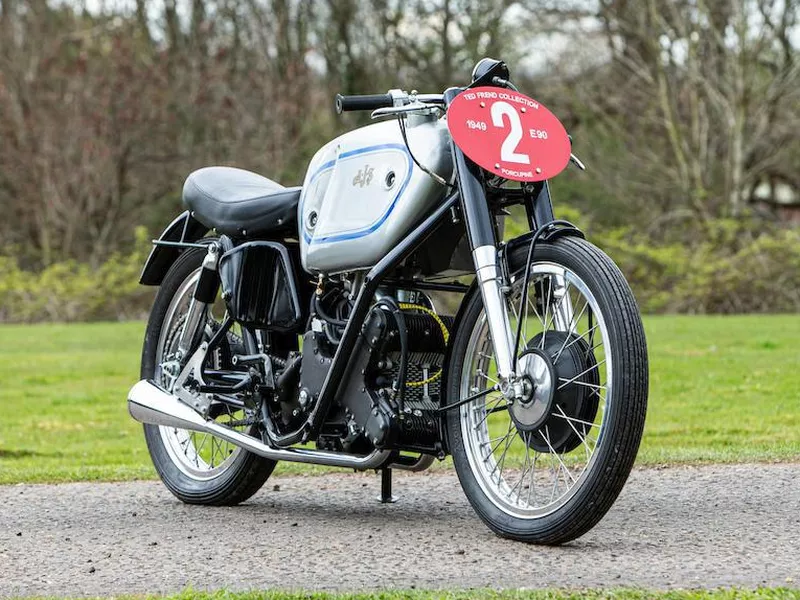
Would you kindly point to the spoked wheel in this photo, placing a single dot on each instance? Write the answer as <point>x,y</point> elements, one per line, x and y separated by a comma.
<point>197,467</point>
<point>546,469</point>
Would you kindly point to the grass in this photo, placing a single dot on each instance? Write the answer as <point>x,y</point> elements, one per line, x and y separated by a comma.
<point>723,389</point>
<point>612,594</point>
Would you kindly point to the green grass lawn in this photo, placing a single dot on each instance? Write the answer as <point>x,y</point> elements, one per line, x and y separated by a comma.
<point>723,389</point>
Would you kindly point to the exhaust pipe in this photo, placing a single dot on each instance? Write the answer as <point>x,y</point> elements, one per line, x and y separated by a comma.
<point>148,403</point>
<point>414,464</point>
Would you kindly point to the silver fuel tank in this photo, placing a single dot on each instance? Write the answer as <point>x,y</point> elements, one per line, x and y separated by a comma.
<point>363,193</point>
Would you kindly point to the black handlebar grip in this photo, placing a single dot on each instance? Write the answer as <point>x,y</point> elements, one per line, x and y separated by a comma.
<point>367,102</point>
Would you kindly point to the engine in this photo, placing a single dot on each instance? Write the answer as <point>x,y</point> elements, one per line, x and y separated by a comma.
<point>390,395</point>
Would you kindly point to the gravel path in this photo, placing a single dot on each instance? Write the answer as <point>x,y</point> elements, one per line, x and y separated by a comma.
<point>678,527</point>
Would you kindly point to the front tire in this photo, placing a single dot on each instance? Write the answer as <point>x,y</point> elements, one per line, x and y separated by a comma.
<point>548,470</point>
<point>197,468</point>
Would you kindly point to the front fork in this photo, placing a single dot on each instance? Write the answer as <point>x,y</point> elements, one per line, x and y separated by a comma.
<point>483,243</point>
<point>480,230</point>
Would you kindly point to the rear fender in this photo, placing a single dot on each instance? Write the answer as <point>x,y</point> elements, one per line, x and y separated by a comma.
<point>185,228</point>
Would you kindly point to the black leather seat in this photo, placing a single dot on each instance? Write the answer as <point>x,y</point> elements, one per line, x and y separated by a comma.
<point>239,203</point>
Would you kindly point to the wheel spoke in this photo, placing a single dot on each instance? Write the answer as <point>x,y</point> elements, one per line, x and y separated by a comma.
<point>493,440</point>
<point>583,383</point>
<point>574,420</point>
<point>574,341</point>
<point>535,311</point>
<point>213,450</point>
<point>500,462</point>
<point>582,438</point>
<point>518,485</point>
<point>189,450</point>
<point>527,441</point>
<point>572,325</point>
<point>502,439</point>
<point>479,407</point>
<point>546,310</point>
<point>489,412</point>
<point>202,444</point>
<point>566,383</point>
<point>554,453</point>
<point>490,379</point>
<point>559,306</point>
<point>533,475</point>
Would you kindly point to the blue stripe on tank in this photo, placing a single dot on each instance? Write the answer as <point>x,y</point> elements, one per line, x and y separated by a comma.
<point>351,235</point>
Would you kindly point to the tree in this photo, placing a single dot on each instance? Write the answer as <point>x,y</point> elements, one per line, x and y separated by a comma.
<point>719,80</point>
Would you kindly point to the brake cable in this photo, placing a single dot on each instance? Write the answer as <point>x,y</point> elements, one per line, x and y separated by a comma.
<point>546,231</point>
<point>434,176</point>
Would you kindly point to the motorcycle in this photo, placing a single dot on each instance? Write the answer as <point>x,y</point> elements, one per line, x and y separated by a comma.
<point>303,324</point>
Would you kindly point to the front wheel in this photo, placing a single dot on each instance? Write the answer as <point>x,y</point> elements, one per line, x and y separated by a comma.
<point>547,469</point>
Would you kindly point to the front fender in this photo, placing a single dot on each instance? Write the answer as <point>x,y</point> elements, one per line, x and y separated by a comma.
<point>185,228</point>
<point>548,232</point>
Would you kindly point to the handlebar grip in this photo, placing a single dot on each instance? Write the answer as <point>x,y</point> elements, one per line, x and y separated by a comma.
<point>366,102</point>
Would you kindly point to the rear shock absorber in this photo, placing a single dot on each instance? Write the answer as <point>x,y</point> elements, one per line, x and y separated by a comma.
<point>204,295</point>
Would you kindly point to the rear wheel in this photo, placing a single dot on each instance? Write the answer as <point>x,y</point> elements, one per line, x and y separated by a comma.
<point>546,470</point>
<point>196,467</point>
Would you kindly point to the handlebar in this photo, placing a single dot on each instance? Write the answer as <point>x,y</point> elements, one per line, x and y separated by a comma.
<point>389,100</point>
<point>366,102</point>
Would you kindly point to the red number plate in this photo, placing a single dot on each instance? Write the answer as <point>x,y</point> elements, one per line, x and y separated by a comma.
<point>508,134</point>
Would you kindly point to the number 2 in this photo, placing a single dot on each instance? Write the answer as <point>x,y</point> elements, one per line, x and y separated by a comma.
<point>508,151</point>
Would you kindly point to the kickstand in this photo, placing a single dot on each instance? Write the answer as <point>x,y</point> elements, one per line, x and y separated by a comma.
<point>386,487</point>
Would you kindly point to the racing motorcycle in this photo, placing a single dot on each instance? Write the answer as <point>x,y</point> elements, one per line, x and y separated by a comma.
<point>304,324</point>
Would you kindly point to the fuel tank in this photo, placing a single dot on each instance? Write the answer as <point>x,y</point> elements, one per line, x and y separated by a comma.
<point>363,192</point>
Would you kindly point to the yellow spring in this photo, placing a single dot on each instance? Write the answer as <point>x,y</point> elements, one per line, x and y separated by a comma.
<point>445,335</point>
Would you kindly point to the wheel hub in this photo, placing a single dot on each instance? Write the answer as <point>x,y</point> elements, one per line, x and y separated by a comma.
<point>538,373</point>
<point>564,395</point>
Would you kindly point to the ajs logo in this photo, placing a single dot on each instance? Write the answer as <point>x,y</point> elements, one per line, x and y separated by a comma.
<point>364,176</point>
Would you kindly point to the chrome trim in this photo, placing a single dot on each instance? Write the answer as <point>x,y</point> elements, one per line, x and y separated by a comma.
<point>193,369</point>
<point>562,305</point>
<point>494,303</point>
<point>399,97</point>
<point>408,109</point>
<point>148,403</point>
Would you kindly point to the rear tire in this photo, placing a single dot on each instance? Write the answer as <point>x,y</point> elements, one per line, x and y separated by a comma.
<point>592,471</point>
<point>241,474</point>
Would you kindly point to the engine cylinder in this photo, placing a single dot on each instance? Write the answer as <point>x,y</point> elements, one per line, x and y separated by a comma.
<point>424,334</point>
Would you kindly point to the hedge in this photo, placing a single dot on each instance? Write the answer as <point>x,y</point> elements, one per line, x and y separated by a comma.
<point>734,268</point>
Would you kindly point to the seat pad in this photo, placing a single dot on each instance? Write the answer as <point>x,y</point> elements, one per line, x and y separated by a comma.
<point>239,203</point>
